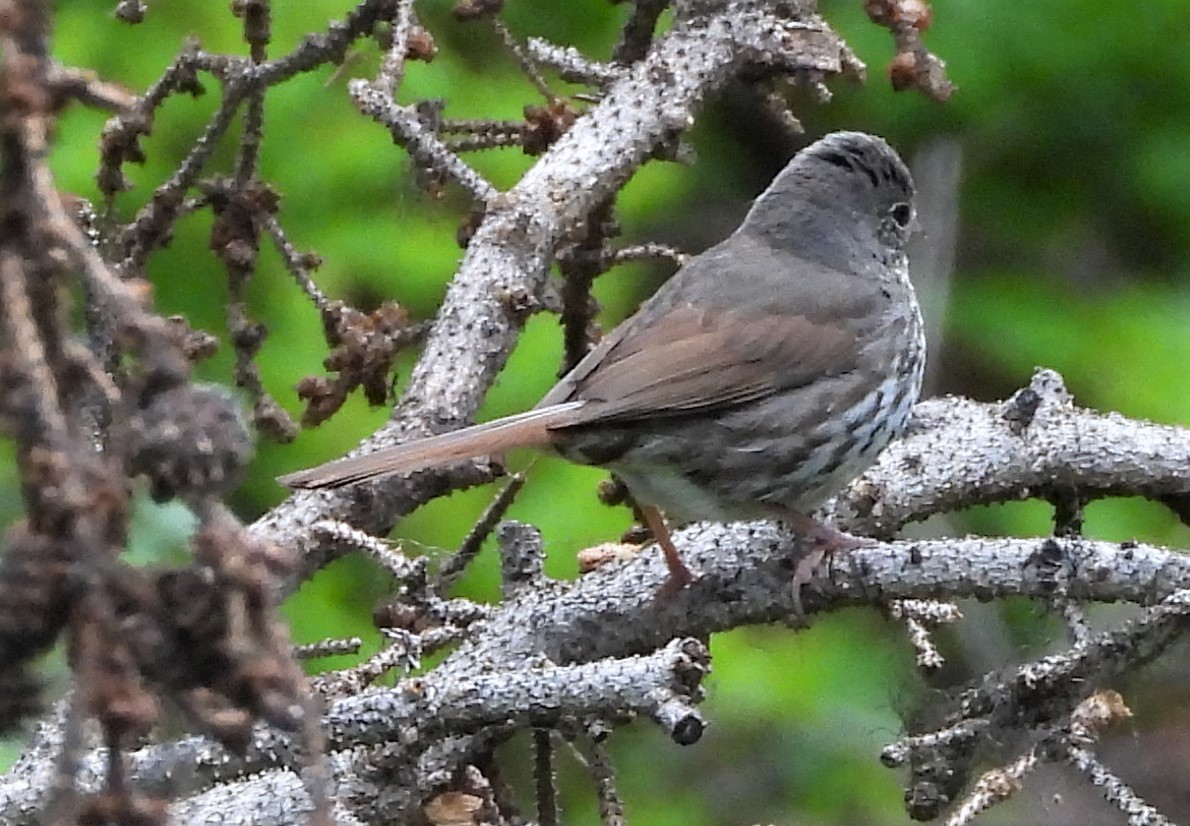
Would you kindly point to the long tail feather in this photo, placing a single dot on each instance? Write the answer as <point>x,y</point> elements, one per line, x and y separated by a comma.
<point>528,429</point>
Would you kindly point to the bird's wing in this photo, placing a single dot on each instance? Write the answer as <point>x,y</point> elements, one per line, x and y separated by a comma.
<point>690,359</point>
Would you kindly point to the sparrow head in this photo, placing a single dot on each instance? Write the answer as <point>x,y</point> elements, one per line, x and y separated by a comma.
<point>840,200</point>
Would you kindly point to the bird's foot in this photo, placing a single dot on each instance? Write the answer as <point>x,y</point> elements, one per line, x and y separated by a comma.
<point>816,541</point>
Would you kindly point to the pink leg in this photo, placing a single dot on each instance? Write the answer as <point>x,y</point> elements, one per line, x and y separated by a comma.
<point>679,575</point>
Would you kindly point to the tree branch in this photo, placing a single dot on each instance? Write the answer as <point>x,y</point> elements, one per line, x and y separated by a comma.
<point>960,453</point>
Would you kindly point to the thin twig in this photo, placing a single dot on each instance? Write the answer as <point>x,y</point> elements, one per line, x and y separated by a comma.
<point>523,61</point>
<point>392,68</point>
<point>544,780</point>
<point>996,786</point>
<point>454,565</point>
<point>327,648</point>
<point>611,808</point>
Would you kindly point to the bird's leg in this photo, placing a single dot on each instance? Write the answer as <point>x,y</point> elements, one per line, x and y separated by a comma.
<point>818,540</point>
<point>823,536</point>
<point>679,575</point>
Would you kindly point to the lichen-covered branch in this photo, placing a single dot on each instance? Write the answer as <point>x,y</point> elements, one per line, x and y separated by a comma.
<point>960,453</point>
<point>410,719</point>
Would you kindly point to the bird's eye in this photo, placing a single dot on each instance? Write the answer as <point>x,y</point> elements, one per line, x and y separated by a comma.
<point>902,213</point>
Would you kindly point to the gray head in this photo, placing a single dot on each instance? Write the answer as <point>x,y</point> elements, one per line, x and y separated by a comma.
<point>843,201</point>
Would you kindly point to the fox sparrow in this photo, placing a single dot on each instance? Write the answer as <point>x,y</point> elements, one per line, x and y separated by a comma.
<point>762,377</point>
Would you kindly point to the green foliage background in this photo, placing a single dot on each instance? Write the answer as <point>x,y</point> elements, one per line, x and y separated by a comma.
<point>1074,120</point>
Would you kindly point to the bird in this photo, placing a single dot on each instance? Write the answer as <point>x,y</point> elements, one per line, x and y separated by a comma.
<point>763,376</point>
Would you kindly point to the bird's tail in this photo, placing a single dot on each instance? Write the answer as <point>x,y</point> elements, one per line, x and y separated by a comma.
<point>528,429</point>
